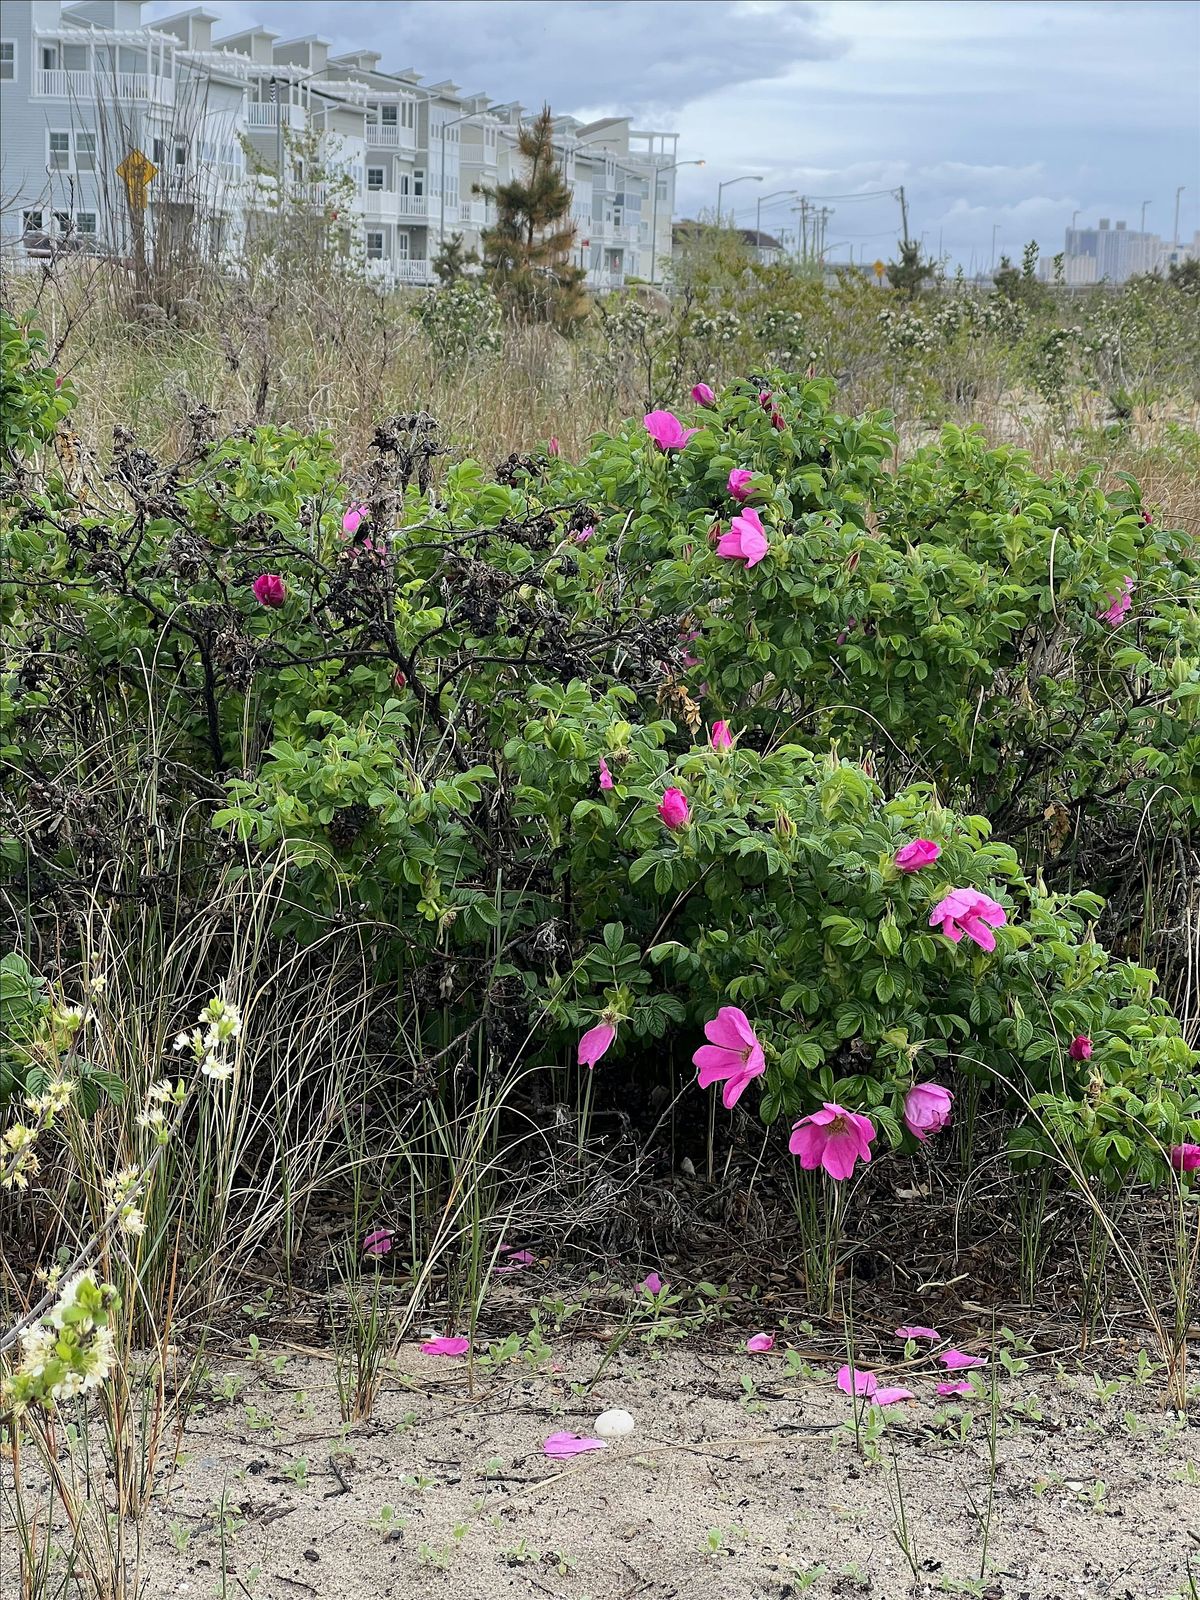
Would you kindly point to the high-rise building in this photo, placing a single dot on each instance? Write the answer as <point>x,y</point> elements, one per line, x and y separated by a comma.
<point>112,131</point>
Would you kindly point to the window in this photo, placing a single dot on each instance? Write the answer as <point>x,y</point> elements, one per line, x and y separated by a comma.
<point>60,150</point>
<point>159,153</point>
<point>181,155</point>
<point>31,222</point>
<point>419,181</point>
<point>387,116</point>
<point>85,222</point>
<point>451,189</point>
<point>8,61</point>
<point>49,58</point>
<point>62,221</point>
<point>374,177</point>
<point>374,244</point>
<point>408,114</point>
<point>402,247</point>
<point>85,151</point>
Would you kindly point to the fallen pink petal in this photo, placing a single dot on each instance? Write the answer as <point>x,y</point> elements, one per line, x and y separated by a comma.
<point>517,1259</point>
<point>956,1386</point>
<point>652,1283</point>
<point>918,1333</point>
<point>959,1361</point>
<point>378,1242</point>
<point>561,1446</point>
<point>854,1381</point>
<point>892,1396</point>
<point>446,1347</point>
<point>759,1343</point>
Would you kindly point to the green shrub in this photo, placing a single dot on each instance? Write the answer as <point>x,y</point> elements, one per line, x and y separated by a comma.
<point>418,717</point>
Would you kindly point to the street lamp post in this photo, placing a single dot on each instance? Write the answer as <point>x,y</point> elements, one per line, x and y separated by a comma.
<point>749,177</point>
<point>1175,229</point>
<point>758,205</point>
<point>654,216</point>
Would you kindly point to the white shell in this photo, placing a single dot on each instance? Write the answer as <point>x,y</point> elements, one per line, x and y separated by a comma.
<point>613,1424</point>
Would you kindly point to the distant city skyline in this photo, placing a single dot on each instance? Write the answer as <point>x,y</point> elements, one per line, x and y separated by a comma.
<point>1002,118</point>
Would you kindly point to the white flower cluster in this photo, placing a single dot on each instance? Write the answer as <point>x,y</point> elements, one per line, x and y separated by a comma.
<point>70,1351</point>
<point>212,1040</point>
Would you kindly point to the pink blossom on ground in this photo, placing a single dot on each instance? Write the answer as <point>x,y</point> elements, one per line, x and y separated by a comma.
<point>739,484</point>
<point>967,911</point>
<point>920,853</point>
<point>1185,1157</point>
<point>720,737</point>
<point>1118,605</point>
<point>957,1386</point>
<point>918,1333</point>
<point>853,1381</point>
<point>606,777</point>
<point>927,1109</point>
<point>378,1242</point>
<point>446,1347</point>
<point>269,589</point>
<point>833,1138</point>
<point>562,1446</point>
<point>759,1343</point>
<point>665,428</point>
<point>652,1283</point>
<point>746,540</point>
<point>732,1055</point>
<point>353,518</point>
<point>1080,1048</point>
<point>703,395</point>
<point>515,1261</point>
<point>673,808</point>
<point>958,1361</point>
<point>595,1042</point>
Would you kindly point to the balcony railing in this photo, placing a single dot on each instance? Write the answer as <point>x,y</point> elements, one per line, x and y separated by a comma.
<point>63,84</point>
<point>263,114</point>
<point>395,272</point>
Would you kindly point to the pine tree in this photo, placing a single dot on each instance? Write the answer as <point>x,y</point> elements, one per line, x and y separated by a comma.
<point>451,262</point>
<point>908,274</point>
<point>527,254</point>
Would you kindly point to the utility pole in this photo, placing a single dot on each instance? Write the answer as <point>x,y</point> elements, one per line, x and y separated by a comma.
<point>903,213</point>
<point>1175,229</point>
<point>803,229</point>
<point>1142,228</point>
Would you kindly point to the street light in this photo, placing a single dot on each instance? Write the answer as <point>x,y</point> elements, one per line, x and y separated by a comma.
<point>749,177</point>
<point>466,117</point>
<point>758,205</point>
<point>1142,228</point>
<point>654,218</point>
<point>1175,229</point>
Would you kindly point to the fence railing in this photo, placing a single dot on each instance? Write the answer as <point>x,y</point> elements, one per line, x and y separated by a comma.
<point>67,84</point>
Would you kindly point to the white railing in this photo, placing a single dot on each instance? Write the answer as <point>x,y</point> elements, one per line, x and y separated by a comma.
<point>474,213</point>
<point>60,84</point>
<point>384,134</point>
<point>394,272</point>
<point>262,114</point>
<point>381,202</point>
<point>416,205</point>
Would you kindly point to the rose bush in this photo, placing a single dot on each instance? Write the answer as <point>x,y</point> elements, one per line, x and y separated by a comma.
<point>474,720</point>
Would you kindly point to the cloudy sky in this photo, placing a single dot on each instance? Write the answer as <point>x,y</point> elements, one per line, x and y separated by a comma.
<point>1005,115</point>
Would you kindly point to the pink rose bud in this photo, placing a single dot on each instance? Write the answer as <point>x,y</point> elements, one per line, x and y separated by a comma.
<point>927,1109</point>
<point>920,853</point>
<point>673,808</point>
<point>554,447</point>
<point>1080,1048</point>
<point>353,518</point>
<point>269,589</point>
<point>720,738</point>
<point>703,395</point>
<point>399,678</point>
<point>765,398</point>
<point>1185,1157</point>
<point>777,421</point>
<point>606,778</point>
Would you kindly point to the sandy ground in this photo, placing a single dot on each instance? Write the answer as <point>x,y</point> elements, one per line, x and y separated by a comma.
<point>722,1491</point>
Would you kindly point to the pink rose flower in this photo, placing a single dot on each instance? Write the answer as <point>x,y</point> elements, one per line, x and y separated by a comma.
<point>732,1055</point>
<point>673,808</point>
<point>927,1109</point>
<point>269,589</point>
<point>739,484</point>
<point>967,911</point>
<point>703,395</point>
<point>665,428</point>
<point>1185,1157</point>
<point>651,1283</point>
<point>594,1043</point>
<point>1118,605</point>
<point>920,853</point>
<point>606,777</point>
<point>1080,1048</point>
<point>746,540</point>
<point>833,1138</point>
<point>353,518</point>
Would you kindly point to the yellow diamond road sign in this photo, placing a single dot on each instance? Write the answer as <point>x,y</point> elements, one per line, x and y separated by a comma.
<point>880,269</point>
<point>136,172</point>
